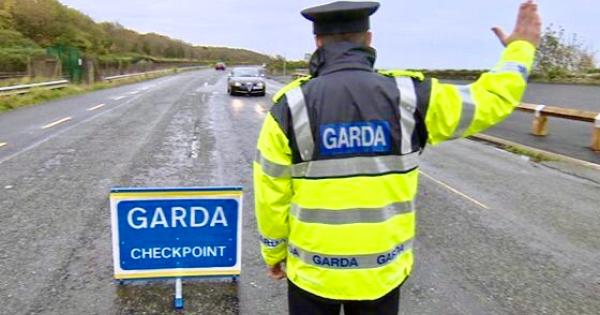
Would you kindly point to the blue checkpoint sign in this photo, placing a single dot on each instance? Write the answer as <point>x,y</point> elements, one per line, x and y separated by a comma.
<point>176,232</point>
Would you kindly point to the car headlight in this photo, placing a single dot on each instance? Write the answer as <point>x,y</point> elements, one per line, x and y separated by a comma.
<point>260,84</point>
<point>238,84</point>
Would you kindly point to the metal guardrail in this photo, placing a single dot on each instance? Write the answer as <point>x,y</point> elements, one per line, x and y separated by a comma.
<point>9,75</point>
<point>539,127</point>
<point>133,75</point>
<point>192,68</point>
<point>26,88</point>
<point>59,84</point>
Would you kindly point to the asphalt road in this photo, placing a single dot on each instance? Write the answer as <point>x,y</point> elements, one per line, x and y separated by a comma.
<point>497,234</point>
<point>566,137</point>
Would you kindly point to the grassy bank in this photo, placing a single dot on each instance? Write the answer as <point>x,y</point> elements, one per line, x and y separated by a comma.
<point>38,96</point>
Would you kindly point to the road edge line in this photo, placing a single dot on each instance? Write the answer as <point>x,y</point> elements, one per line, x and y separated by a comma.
<point>456,191</point>
<point>503,143</point>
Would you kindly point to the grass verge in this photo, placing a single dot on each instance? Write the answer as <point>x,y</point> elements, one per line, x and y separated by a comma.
<point>534,156</point>
<point>37,96</point>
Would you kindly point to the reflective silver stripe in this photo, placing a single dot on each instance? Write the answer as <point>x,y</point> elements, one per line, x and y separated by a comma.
<point>512,66</point>
<point>356,166</point>
<point>302,131</point>
<point>408,107</point>
<point>272,169</point>
<point>271,243</point>
<point>350,216</point>
<point>350,261</point>
<point>468,111</point>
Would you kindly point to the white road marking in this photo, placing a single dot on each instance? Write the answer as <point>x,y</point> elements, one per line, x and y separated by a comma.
<point>456,191</point>
<point>77,124</point>
<point>58,122</point>
<point>59,132</point>
<point>195,149</point>
<point>205,83</point>
<point>133,92</point>
<point>91,109</point>
<point>118,98</point>
<point>2,144</point>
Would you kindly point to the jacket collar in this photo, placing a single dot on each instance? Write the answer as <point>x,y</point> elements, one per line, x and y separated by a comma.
<point>342,56</point>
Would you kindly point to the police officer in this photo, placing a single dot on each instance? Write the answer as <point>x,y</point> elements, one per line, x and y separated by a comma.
<point>337,165</point>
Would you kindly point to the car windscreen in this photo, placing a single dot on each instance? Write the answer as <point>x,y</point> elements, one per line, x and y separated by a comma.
<point>246,73</point>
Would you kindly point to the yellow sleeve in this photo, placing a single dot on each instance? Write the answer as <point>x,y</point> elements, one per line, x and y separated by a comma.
<point>273,190</point>
<point>457,111</point>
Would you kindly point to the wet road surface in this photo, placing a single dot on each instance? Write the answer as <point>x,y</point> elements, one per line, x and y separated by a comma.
<point>567,137</point>
<point>497,234</point>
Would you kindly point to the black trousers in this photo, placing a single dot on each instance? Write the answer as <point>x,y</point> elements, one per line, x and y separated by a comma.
<point>304,303</point>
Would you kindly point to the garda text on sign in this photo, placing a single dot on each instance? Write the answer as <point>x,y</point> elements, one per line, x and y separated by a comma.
<point>176,232</point>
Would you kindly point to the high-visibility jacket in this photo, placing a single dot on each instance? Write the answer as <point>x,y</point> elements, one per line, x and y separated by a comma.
<point>336,171</point>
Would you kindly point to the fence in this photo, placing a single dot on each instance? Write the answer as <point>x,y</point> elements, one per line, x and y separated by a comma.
<point>132,75</point>
<point>539,126</point>
<point>26,88</point>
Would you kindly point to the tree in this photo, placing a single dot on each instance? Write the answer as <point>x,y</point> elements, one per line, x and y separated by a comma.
<point>559,56</point>
<point>31,25</point>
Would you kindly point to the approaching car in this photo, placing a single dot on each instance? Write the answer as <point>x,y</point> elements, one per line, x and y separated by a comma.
<point>248,81</point>
<point>219,66</point>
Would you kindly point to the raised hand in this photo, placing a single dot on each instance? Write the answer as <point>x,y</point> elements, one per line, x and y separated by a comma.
<point>528,26</point>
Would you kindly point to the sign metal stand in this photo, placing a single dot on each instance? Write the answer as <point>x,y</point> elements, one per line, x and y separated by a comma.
<point>179,294</point>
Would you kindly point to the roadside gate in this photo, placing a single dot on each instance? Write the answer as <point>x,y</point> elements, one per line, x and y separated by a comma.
<point>71,60</point>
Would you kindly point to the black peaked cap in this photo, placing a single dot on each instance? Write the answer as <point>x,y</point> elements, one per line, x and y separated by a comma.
<point>341,17</point>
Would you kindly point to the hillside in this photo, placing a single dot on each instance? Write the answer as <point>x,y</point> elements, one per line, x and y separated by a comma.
<point>27,27</point>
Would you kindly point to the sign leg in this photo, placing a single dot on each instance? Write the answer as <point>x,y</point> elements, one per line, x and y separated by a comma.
<point>178,294</point>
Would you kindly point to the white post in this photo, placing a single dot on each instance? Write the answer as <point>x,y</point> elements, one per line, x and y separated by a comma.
<point>596,135</point>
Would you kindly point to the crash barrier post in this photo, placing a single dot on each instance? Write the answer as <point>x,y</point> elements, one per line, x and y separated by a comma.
<point>539,126</point>
<point>596,135</point>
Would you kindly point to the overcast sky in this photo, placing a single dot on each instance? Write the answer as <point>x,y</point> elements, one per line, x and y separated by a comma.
<point>408,34</point>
